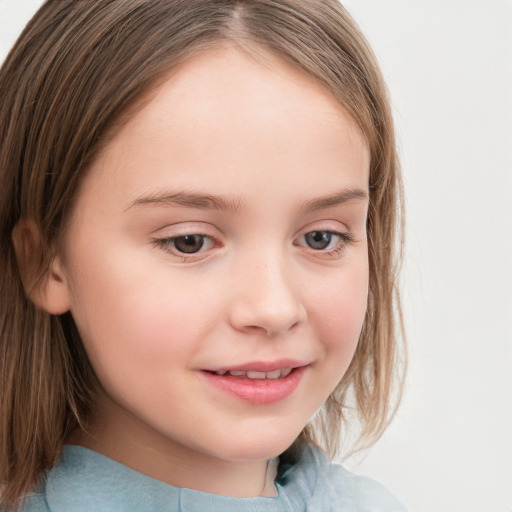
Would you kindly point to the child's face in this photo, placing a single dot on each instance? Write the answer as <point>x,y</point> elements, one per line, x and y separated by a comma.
<point>203,239</point>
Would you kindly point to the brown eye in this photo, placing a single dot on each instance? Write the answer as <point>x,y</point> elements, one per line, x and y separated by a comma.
<point>189,244</point>
<point>318,240</point>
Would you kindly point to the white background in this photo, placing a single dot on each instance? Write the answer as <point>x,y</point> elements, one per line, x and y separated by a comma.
<point>448,64</point>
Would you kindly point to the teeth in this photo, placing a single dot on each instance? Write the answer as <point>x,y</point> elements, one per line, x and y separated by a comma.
<point>256,375</point>
<point>273,375</point>
<point>237,373</point>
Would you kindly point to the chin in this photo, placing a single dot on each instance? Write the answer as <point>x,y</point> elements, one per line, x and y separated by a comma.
<point>264,444</point>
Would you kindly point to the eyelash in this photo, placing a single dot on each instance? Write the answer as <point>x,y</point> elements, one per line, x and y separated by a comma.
<point>167,244</point>
<point>345,239</point>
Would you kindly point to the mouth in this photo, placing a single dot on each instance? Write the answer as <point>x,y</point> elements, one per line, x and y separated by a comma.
<point>258,383</point>
<point>252,374</point>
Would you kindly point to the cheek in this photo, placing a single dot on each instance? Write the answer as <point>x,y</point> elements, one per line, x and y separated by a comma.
<point>135,320</point>
<point>339,312</point>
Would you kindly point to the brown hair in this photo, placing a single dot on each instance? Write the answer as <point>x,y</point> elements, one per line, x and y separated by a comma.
<point>77,68</point>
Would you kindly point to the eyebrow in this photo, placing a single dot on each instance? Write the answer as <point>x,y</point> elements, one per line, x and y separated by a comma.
<point>333,200</point>
<point>189,200</point>
<point>211,202</point>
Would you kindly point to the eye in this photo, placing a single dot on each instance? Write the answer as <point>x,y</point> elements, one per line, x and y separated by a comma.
<point>319,240</point>
<point>325,242</point>
<point>185,246</point>
<point>189,244</point>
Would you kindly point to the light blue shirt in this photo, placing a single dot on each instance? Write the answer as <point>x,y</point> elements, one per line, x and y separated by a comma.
<point>86,481</point>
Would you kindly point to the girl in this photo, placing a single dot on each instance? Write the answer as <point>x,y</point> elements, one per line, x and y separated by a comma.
<point>198,220</point>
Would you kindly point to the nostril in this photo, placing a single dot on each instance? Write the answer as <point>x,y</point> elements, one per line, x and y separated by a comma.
<point>269,311</point>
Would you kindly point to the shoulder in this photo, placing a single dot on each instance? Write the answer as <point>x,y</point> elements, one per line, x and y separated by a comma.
<point>363,493</point>
<point>332,487</point>
<point>32,503</point>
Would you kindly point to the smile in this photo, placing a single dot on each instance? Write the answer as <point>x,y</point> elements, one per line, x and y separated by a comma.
<point>257,386</point>
<point>276,374</point>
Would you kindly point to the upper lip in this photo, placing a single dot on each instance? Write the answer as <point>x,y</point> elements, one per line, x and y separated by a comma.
<point>260,366</point>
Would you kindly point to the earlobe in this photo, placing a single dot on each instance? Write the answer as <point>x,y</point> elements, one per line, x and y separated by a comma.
<point>44,284</point>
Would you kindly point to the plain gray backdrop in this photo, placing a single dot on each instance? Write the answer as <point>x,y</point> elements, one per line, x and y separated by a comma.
<point>448,64</point>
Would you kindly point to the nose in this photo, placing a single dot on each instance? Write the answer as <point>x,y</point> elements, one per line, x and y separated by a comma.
<point>267,299</point>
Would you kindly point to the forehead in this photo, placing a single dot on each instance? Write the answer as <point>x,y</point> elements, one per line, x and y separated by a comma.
<point>225,113</point>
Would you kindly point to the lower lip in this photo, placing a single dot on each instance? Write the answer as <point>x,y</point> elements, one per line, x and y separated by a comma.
<point>258,391</point>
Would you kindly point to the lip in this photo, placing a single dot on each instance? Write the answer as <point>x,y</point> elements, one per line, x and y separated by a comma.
<point>260,366</point>
<point>258,391</point>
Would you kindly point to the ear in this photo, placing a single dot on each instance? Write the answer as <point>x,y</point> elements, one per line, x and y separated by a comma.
<point>45,286</point>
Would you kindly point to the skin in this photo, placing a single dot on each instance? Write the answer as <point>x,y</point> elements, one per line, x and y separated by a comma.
<point>270,141</point>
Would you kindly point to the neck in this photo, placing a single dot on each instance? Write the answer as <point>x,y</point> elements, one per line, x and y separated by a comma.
<point>129,442</point>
